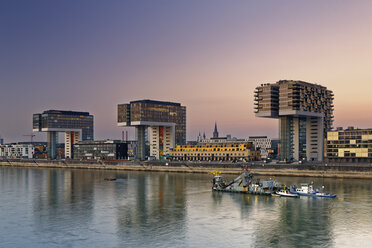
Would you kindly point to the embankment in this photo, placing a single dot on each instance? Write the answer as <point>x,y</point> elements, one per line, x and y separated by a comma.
<point>303,170</point>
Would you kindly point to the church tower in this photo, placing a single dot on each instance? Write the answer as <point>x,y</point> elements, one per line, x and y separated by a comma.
<point>215,132</point>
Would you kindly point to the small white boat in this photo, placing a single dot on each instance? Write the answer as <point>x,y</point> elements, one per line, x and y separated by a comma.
<point>307,189</point>
<point>286,193</point>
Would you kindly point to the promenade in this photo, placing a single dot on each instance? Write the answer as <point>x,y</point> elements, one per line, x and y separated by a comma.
<point>257,168</point>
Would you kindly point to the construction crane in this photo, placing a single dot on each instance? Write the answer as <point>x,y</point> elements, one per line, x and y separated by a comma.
<point>31,136</point>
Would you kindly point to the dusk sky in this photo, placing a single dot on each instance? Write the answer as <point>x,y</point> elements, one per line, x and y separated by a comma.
<point>208,55</point>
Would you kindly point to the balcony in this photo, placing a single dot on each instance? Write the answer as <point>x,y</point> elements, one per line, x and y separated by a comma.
<point>258,91</point>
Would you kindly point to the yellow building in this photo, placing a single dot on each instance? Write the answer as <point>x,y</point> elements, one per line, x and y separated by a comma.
<point>215,152</point>
<point>350,145</point>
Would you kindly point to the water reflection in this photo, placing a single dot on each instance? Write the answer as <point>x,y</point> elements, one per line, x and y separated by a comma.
<point>62,205</point>
<point>159,208</point>
<point>66,208</point>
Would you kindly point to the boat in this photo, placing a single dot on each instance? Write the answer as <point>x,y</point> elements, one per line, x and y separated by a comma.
<point>275,194</point>
<point>110,179</point>
<point>244,183</point>
<point>286,193</point>
<point>307,189</point>
<point>324,195</point>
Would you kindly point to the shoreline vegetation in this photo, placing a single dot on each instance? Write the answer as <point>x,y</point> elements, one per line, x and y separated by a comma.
<point>356,171</point>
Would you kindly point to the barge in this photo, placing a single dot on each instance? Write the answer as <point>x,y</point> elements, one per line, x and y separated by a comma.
<point>244,183</point>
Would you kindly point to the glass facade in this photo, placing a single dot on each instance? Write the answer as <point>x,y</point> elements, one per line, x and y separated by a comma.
<point>104,150</point>
<point>124,113</point>
<point>65,120</point>
<point>286,138</point>
<point>155,111</point>
<point>302,138</point>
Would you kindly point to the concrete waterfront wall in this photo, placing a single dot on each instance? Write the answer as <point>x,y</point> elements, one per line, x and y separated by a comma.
<point>257,168</point>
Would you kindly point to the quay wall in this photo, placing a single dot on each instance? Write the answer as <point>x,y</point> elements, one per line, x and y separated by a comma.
<point>258,168</point>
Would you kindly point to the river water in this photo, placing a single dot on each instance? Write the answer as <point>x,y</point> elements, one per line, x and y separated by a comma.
<point>78,208</point>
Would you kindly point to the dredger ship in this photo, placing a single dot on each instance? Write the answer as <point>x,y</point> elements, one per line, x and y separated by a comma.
<point>245,183</point>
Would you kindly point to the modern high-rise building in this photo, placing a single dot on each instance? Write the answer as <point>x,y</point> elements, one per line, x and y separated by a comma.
<point>166,122</point>
<point>76,126</point>
<point>305,113</point>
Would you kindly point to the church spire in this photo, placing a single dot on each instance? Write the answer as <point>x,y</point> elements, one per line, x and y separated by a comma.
<point>199,138</point>
<point>215,132</point>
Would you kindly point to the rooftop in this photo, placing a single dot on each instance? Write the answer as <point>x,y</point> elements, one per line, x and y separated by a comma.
<point>66,112</point>
<point>156,102</point>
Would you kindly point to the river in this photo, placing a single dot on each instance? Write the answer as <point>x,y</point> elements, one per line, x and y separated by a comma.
<point>78,208</point>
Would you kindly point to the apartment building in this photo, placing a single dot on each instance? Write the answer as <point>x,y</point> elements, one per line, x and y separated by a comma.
<point>305,113</point>
<point>16,151</point>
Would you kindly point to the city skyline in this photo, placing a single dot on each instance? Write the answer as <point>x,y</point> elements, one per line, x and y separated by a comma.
<point>210,55</point>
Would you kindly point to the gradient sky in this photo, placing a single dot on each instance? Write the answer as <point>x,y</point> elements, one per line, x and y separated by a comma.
<point>208,55</point>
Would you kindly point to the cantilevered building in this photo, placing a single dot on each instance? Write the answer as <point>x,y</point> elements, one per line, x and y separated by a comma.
<point>305,113</point>
<point>166,122</point>
<point>76,126</point>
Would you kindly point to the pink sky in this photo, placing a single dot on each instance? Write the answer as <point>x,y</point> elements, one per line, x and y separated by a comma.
<point>207,55</point>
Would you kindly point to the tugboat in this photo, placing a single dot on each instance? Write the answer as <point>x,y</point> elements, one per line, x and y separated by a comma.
<point>307,189</point>
<point>243,184</point>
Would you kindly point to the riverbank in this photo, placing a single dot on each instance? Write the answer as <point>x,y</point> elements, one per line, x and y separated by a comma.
<point>358,171</point>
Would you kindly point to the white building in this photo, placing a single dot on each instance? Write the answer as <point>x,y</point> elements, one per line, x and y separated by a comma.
<point>262,142</point>
<point>162,139</point>
<point>16,151</point>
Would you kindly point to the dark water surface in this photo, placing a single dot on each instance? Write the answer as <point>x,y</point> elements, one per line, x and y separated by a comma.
<point>78,208</point>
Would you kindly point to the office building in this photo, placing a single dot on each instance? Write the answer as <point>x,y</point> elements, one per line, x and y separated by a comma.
<point>349,145</point>
<point>265,145</point>
<point>16,151</point>
<point>305,113</point>
<point>101,149</point>
<point>165,122</point>
<point>215,152</point>
<point>76,126</point>
<point>1,141</point>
